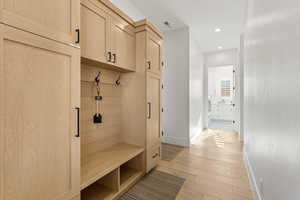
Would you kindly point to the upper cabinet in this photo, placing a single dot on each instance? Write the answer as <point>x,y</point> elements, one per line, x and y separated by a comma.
<point>55,19</point>
<point>106,37</point>
<point>122,44</point>
<point>154,54</point>
<point>94,33</point>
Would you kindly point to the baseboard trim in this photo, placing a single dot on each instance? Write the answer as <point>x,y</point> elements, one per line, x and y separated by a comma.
<point>176,141</point>
<point>250,172</point>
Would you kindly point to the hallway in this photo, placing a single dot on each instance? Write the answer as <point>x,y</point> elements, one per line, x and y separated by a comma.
<point>213,168</point>
<point>225,125</point>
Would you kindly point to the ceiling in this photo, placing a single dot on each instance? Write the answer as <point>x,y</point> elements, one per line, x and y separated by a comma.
<point>202,17</point>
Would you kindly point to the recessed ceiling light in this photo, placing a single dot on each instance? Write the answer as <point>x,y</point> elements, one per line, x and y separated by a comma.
<point>220,47</point>
<point>217,30</point>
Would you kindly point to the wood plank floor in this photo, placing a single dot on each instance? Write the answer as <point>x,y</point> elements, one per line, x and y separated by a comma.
<point>213,168</point>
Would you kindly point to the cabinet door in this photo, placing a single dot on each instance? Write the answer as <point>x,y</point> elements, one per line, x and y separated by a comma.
<point>123,44</point>
<point>39,89</point>
<point>94,32</point>
<point>153,54</point>
<point>154,109</point>
<point>55,19</point>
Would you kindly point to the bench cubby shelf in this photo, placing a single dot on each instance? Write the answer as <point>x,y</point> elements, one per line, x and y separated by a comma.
<point>109,173</point>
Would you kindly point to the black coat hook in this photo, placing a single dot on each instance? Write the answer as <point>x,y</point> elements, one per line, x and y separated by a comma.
<point>97,79</point>
<point>118,82</point>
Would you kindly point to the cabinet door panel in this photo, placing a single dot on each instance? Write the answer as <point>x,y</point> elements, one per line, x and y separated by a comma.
<point>55,19</point>
<point>154,109</point>
<point>39,150</point>
<point>94,32</point>
<point>123,44</point>
<point>153,54</point>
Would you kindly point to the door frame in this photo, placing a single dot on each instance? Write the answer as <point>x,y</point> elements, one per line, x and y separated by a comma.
<point>237,100</point>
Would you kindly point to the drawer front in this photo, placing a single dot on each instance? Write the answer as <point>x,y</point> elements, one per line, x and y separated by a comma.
<point>153,157</point>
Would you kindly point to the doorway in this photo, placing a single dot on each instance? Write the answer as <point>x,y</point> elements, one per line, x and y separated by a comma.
<point>221,83</point>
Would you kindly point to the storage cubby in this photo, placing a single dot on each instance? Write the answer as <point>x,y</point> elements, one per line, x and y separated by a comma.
<point>107,160</point>
<point>130,171</point>
<point>105,188</point>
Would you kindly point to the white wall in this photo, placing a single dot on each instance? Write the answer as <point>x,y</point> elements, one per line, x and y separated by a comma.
<point>240,87</point>
<point>176,87</point>
<point>221,58</point>
<point>272,97</point>
<point>183,88</point>
<point>196,89</point>
<point>129,8</point>
<point>215,59</point>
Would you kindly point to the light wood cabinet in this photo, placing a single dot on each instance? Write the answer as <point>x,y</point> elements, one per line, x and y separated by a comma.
<point>106,37</point>
<point>149,42</point>
<point>154,117</point>
<point>55,19</point>
<point>122,44</point>
<point>94,32</point>
<point>153,54</point>
<point>39,150</point>
<point>154,109</point>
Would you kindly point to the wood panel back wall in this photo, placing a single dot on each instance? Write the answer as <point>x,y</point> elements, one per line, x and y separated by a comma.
<point>96,137</point>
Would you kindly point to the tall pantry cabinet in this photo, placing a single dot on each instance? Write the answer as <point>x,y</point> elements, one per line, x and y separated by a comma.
<point>39,94</point>
<point>149,52</point>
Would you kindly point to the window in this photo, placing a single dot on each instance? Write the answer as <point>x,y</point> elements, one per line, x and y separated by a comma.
<point>225,88</point>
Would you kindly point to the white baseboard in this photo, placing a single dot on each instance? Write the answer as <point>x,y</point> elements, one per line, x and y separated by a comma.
<point>253,183</point>
<point>176,141</point>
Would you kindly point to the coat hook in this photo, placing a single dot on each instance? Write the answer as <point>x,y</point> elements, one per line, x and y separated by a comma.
<point>118,80</point>
<point>97,79</point>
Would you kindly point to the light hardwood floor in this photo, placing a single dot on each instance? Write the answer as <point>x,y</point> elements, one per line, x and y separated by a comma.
<point>213,168</point>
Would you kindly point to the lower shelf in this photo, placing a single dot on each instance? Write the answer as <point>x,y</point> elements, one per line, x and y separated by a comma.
<point>112,186</point>
<point>128,176</point>
<point>121,167</point>
<point>102,163</point>
<point>98,192</point>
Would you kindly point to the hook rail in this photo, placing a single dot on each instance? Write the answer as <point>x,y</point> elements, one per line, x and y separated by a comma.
<point>103,83</point>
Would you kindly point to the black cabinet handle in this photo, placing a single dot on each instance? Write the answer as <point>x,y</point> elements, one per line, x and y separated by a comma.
<point>78,122</point>
<point>115,58</point>
<point>149,110</point>
<point>149,64</point>
<point>155,155</point>
<point>78,36</point>
<point>109,56</point>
